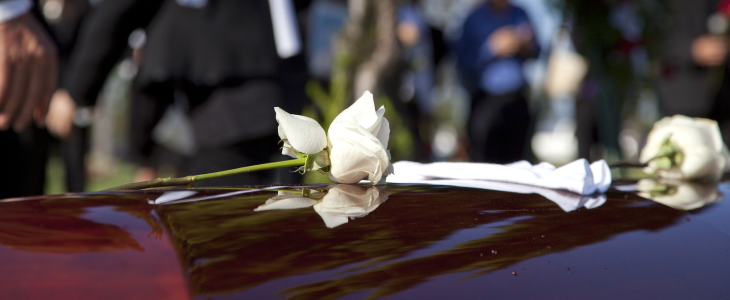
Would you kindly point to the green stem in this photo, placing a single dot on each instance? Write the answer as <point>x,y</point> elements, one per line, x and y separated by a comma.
<point>162,182</point>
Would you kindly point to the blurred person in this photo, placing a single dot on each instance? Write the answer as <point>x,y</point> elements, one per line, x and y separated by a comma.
<point>619,40</point>
<point>230,62</point>
<point>325,19</point>
<point>694,63</point>
<point>496,39</point>
<point>64,18</point>
<point>28,71</point>
<point>414,78</point>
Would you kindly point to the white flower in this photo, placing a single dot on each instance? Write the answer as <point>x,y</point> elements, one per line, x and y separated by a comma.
<point>704,155</point>
<point>357,141</point>
<point>341,203</point>
<point>300,133</point>
<point>684,195</point>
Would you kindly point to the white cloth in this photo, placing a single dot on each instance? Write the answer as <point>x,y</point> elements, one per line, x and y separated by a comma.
<point>286,32</point>
<point>578,176</point>
<point>11,9</point>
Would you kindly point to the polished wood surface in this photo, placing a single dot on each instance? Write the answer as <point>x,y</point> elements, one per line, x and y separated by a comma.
<point>406,242</point>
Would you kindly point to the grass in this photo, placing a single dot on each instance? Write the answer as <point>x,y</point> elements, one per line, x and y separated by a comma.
<point>56,177</point>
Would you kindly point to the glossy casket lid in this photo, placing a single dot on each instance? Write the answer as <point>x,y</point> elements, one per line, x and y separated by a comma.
<point>401,241</point>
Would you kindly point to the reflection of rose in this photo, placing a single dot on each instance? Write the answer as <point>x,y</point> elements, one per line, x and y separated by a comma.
<point>703,155</point>
<point>358,139</point>
<point>679,194</point>
<point>345,201</point>
<point>341,202</point>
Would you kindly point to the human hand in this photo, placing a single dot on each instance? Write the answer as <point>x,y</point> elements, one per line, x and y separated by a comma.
<point>710,50</point>
<point>407,33</point>
<point>61,114</point>
<point>504,42</point>
<point>28,72</point>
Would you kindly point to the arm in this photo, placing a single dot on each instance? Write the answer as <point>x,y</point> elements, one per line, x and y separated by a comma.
<point>518,40</point>
<point>102,41</point>
<point>28,67</point>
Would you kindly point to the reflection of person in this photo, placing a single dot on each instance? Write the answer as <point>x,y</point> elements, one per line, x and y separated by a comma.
<point>27,80</point>
<point>217,57</point>
<point>495,40</point>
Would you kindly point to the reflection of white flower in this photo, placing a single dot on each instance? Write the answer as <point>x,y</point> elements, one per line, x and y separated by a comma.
<point>341,203</point>
<point>358,139</point>
<point>684,195</point>
<point>300,133</point>
<point>286,200</point>
<point>704,155</point>
<point>348,201</point>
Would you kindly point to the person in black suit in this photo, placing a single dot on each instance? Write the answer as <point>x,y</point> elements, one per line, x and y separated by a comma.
<point>28,71</point>
<point>219,55</point>
<point>694,79</point>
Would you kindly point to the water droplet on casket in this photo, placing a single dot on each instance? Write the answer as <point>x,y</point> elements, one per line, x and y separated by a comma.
<point>543,235</point>
<point>515,273</point>
<point>548,247</point>
<point>494,252</point>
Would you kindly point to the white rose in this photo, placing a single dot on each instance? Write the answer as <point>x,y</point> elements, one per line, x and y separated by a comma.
<point>357,141</point>
<point>300,133</point>
<point>341,203</point>
<point>684,195</point>
<point>704,155</point>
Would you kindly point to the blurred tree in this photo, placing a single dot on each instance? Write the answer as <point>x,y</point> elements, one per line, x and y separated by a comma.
<point>365,56</point>
<point>620,39</point>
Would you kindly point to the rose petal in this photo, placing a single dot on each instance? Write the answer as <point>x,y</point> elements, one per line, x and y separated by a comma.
<point>357,140</point>
<point>700,142</point>
<point>304,134</point>
<point>701,162</point>
<point>353,161</point>
<point>384,133</point>
<point>362,112</point>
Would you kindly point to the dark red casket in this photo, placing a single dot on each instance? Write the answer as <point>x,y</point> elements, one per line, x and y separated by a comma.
<point>399,241</point>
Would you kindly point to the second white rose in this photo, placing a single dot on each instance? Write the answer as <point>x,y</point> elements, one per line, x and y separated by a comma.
<point>705,156</point>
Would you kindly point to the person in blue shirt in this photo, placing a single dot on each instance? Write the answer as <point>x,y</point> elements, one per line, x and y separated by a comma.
<point>496,39</point>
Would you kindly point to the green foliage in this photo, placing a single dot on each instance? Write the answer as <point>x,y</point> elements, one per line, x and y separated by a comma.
<point>329,103</point>
<point>401,141</point>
